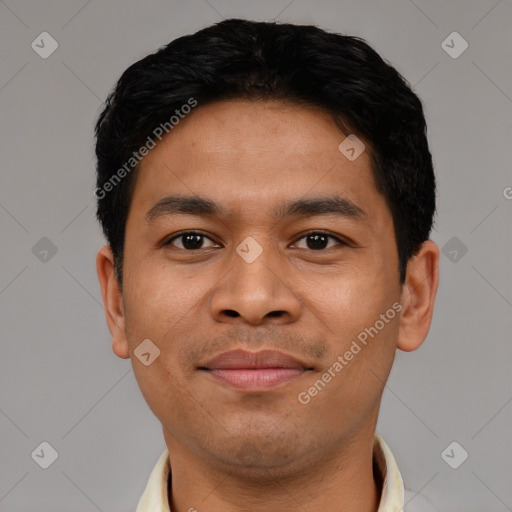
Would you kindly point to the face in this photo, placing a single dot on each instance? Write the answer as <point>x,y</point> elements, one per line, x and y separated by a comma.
<point>256,276</point>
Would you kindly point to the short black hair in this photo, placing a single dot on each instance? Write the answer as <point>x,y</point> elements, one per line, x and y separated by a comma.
<point>302,64</point>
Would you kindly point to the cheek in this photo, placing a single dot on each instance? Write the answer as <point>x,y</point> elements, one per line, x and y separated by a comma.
<point>351,300</point>
<point>162,387</point>
<point>356,370</point>
<point>157,301</point>
<point>357,311</point>
<point>158,310</point>
<point>162,306</point>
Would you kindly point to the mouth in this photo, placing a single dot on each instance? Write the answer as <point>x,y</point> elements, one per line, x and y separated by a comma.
<point>254,371</point>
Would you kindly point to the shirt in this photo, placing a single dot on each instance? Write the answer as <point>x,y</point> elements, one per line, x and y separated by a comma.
<point>155,499</point>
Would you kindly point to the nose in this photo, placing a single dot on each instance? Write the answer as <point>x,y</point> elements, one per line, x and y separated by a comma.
<point>256,292</point>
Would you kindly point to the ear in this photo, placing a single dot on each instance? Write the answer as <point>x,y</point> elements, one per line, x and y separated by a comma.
<point>112,301</point>
<point>418,296</point>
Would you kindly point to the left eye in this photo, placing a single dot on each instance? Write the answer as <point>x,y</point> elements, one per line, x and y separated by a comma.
<point>317,240</point>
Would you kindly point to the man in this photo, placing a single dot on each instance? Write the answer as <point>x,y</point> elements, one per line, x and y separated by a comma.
<point>267,194</point>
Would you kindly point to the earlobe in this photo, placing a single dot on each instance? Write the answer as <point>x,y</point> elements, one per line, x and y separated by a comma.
<point>112,301</point>
<point>418,296</point>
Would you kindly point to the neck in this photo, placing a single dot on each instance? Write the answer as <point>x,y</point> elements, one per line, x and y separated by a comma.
<point>343,481</point>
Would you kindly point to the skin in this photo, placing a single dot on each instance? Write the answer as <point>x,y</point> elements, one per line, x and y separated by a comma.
<point>236,451</point>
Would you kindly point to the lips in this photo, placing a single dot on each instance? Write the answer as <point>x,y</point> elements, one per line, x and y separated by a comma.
<point>254,371</point>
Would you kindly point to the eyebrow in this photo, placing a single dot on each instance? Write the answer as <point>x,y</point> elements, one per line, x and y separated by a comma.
<point>204,207</point>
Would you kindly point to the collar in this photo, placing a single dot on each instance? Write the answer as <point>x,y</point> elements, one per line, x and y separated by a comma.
<point>155,499</point>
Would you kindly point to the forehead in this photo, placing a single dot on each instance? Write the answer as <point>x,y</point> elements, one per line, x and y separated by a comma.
<point>249,154</point>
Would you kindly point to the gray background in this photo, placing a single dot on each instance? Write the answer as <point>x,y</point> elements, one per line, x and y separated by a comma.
<point>60,381</point>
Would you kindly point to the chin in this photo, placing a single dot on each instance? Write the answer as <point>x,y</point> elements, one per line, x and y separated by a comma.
<point>259,457</point>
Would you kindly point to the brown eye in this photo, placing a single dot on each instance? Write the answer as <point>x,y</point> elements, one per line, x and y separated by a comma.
<point>318,240</point>
<point>190,240</point>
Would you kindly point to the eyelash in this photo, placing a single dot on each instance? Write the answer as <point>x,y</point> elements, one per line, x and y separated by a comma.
<point>313,232</point>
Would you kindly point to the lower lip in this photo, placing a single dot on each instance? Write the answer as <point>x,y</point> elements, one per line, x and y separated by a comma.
<point>256,379</point>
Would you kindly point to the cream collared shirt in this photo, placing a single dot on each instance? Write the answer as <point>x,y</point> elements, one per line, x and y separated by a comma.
<point>155,499</point>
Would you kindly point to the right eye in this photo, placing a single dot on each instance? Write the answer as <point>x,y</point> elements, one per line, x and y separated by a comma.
<point>190,240</point>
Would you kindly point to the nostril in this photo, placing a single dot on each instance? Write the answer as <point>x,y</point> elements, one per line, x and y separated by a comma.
<point>232,313</point>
